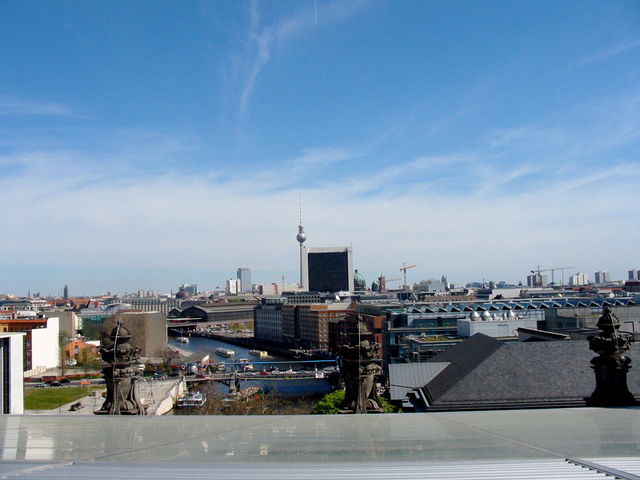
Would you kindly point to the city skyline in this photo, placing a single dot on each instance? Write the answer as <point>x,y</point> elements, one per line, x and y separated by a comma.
<point>145,147</point>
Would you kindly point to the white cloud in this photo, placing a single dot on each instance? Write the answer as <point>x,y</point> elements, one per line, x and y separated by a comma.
<point>180,219</point>
<point>263,38</point>
<point>607,53</point>
<point>15,106</point>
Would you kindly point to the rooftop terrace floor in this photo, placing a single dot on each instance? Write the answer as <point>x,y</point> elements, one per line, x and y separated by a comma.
<point>419,445</point>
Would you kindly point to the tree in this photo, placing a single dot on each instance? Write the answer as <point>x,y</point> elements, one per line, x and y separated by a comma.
<point>89,360</point>
<point>330,404</point>
<point>169,357</point>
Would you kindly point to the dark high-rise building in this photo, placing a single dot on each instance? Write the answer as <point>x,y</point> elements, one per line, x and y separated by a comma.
<point>65,292</point>
<point>329,269</point>
<point>244,275</point>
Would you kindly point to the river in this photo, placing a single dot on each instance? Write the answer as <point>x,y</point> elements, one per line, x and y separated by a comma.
<point>209,345</point>
<point>288,386</point>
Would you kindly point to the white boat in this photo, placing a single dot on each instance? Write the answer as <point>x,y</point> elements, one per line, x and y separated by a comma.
<point>259,353</point>
<point>195,399</point>
<point>225,352</point>
<point>240,395</point>
<point>183,339</point>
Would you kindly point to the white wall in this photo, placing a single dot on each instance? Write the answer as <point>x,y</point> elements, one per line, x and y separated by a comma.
<point>16,365</point>
<point>494,328</point>
<point>45,350</point>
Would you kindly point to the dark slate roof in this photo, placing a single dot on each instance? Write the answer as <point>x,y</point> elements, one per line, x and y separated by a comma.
<point>405,377</point>
<point>517,374</point>
<point>464,358</point>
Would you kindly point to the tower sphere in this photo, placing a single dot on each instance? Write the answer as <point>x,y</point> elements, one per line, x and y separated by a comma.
<point>301,237</point>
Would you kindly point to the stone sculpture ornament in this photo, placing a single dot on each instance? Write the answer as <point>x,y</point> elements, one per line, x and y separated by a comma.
<point>611,365</point>
<point>359,370</point>
<point>119,356</point>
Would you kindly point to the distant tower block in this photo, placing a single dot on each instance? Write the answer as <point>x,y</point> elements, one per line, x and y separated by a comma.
<point>65,293</point>
<point>244,275</point>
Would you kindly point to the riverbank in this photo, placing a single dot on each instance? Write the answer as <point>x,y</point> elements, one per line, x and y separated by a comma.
<point>253,343</point>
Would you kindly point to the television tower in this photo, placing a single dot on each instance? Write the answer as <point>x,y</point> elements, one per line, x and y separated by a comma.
<point>301,237</point>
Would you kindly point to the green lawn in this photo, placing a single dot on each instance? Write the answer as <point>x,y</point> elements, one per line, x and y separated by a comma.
<point>49,398</point>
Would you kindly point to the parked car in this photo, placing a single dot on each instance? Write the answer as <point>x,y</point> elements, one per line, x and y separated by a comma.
<point>65,380</point>
<point>39,385</point>
<point>55,383</point>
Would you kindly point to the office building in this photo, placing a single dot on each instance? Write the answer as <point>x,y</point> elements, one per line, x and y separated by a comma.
<point>578,279</point>
<point>602,277</point>
<point>244,275</point>
<point>232,286</point>
<point>328,269</point>
<point>313,321</point>
<point>267,320</point>
<point>634,274</point>
<point>537,280</point>
<point>190,289</point>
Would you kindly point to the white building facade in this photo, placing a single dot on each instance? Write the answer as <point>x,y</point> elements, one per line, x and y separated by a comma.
<point>45,347</point>
<point>579,279</point>
<point>11,378</point>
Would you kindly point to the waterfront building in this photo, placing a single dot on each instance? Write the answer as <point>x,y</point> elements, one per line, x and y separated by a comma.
<point>329,269</point>
<point>244,275</point>
<point>303,297</point>
<point>290,325</point>
<point>314,322</point>
<point>220,313</point>
<point>267,320</point>
<point>634,274</point>
<point>164,305</point>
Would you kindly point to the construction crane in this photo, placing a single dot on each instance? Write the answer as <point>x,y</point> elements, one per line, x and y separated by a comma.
<point>562,269</point>
<point>382,283</point>
<point>404,269</point>
<point>552,270</point>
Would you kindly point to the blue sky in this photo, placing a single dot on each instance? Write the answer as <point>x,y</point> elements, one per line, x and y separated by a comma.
<point>147,144</point>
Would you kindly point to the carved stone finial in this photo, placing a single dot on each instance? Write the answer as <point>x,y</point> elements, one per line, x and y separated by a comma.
<point>359,369</point>
<point>611,365</point>
<point>119,356</point>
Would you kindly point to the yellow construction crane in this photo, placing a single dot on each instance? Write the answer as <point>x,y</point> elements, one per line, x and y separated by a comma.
<point>382,283</point>
<point>404,269</point>
<point>552,270</point>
